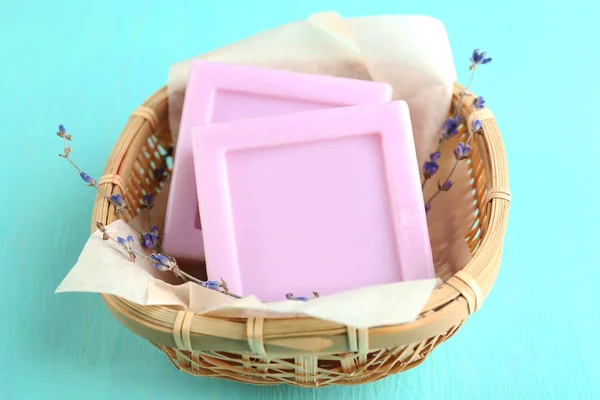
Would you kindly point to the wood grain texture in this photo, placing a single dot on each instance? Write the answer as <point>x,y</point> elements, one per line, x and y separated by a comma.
<point>89,64</point>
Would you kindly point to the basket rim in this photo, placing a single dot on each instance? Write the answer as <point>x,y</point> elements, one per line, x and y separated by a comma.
<point>447,308</point>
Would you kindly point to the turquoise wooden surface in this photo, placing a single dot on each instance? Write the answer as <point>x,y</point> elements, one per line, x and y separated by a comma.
<point>89,64</point>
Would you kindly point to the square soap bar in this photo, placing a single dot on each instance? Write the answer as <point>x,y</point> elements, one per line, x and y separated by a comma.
<point>219,93</point>
<point>324,201</point>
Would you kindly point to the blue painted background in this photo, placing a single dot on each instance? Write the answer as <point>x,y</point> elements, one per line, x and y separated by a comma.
<point>89,64</point>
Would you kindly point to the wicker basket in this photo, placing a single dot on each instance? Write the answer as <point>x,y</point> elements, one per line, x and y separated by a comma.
<point>308,352</point>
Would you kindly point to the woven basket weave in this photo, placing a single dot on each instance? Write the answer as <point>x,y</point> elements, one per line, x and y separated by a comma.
<point>308,352</point>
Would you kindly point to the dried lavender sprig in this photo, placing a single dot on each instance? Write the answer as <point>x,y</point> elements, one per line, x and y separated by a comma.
<point>150,239</point>
<point>115,199</point>
<point>460,153</point>
<point>119,203</point>
<point>451,125</point>
<point>160,173</point>
<point>477,58</point>
<point>476,125</point>
<point>162,262</point>
<point>148,205</point>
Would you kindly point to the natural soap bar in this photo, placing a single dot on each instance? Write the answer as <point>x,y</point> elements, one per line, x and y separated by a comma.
<point>219,92</point>
<point>325,201</point>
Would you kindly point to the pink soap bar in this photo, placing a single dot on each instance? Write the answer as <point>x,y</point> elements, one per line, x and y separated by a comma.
<point>224,92</point>
<point>324,201</point>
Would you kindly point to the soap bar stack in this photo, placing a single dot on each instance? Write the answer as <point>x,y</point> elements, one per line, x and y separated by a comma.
<point>288,182</point>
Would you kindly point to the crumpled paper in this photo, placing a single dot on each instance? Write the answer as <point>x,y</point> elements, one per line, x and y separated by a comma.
<point>104,267</point>
<point>411,53</point>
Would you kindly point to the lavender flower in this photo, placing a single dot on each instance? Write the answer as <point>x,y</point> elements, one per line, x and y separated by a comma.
<point>479,103</point>
<point>299,298</point>
<point>160,174</point>
<point>162,262</point>
<point>90,181</point>
<point>62,132</point>
<point>117,199</point>
<point>429,169</point>
<point>476,125</point>
<point>427,207</point>
<point>148,201</point>
<point>444,187</point>
<point>126,242</point>
<point>462,151</point>
<point>212,285</point>
<point>150,239</point>
<point>290,296</point>
<point>102,228</point>
<point>128,245</point>
<point>479,58</point>
<point>450,127</point>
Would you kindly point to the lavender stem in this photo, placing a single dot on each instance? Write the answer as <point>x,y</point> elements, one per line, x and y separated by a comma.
<point>448,178</point>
